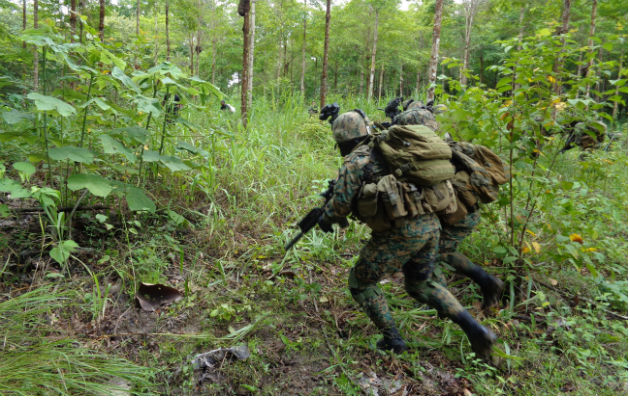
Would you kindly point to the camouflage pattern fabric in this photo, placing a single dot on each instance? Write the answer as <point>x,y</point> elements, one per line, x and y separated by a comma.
<point>416,117</point>
<point>348,126</point>
<point>453,235</point>
<point>411,247</point>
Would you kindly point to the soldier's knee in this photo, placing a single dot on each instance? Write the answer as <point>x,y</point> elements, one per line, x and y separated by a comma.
<point>416,272</point>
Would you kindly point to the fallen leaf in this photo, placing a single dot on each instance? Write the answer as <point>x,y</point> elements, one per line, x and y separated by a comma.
<point>153,296</point>
<point>576,238</point>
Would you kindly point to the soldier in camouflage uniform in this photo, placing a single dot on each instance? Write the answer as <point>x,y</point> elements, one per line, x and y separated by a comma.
<point>411,246</point>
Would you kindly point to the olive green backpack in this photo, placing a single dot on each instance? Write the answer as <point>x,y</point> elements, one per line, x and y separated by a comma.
<point>416,154</point>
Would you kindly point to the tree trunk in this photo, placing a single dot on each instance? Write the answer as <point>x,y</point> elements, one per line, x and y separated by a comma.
<point>590,46</point>
<point>81,12</point>
<point>73,19</point>
<point>24,20</point>
<point>471,10</point>
<point>250,59</point>
<point>101,20</point>
<point>481,68</point>
<point>214,60</point>
<point>401,79</point>
<point>304,53</point>
<point>323,88</point>
<point>137,17</point>
<point>380,82</point>
<point>285,59</point>
<point>191,46</point>
<point>435,49</point>
<point>373,61</point>
<point>197,51</point>
<point>168,40</point>
<point>558,61</point>
<point>244,73</point>
<point>36,54</point>
<point>615,109</point>
<point>361,80</point>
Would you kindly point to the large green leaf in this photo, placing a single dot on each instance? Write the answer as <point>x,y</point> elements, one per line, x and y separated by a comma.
<point>25,168</point>
<point>13,117</point>
<point>13,188</point>
<point>174,163</point>
<point>71,153</point>
<point>147,105</point>
<point>138,201</point>
<point>113,146</point>
<point>192,149</point>
<point>150,156</point>
<point>137,134</point>
<point>48,103</point>
<point>122,77</point>
<point>97,185</point>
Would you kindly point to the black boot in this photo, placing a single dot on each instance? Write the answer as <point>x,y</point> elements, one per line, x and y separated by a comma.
<point>481,338</point>
<point>392,341</point>
<point>492,290</point>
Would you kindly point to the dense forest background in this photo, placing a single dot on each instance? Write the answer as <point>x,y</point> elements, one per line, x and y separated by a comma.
<point>142,226</point>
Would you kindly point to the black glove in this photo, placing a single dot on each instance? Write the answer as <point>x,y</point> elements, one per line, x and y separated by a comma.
<point>325,224</point>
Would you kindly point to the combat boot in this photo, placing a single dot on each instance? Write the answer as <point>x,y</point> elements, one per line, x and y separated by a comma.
<point>392,341</point>
<point>481,338</point>
<point>492,290</point>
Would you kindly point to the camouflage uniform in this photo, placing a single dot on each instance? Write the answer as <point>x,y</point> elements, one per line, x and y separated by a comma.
<point>411,247</point>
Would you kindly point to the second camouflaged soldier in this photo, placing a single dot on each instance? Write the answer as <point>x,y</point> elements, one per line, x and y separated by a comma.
<point>409,245</point>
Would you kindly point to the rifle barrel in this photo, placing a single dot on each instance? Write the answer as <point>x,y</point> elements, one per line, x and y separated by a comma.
<point>293,241</point>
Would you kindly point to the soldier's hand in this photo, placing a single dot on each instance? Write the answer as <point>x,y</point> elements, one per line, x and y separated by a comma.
<point>325,224</point>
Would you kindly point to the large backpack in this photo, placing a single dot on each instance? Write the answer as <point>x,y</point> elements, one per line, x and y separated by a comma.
<point>416,154</point>
<point>480,172</point>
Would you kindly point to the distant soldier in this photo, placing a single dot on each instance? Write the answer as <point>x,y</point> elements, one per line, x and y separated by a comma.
<point>171,106</point>
<point>586,135</point>
<point>313,110</point>
<point>227,107</point>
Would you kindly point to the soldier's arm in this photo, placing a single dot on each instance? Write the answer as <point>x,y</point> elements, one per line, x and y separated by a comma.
<point>347,187</point>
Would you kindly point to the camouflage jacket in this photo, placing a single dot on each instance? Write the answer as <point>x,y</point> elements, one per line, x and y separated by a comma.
<point>359,167</point>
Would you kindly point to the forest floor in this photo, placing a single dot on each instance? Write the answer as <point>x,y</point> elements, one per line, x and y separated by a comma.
<point>288,322</point>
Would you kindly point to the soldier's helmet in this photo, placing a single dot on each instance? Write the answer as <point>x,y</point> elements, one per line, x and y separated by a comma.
<point>416,117</point>
<point>349,125</point>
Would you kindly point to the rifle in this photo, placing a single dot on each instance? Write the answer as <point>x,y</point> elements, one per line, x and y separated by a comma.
<point>310,220</point>
<point>329,111</point>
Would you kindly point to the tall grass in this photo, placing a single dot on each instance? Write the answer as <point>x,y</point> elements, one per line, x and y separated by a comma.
<point>36,358</point>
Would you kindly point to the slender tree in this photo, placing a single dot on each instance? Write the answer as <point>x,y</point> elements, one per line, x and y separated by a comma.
<point>566,10</point>
<point>36,54</point>
<point>101,20</point>
<point>591,34</point>
<point>137,17</point>
<point>168,39</point>
<point>435,49</point>
<point>24,20</point>
<point>243,10</point>
<point>250,58</point>
<point>373,55</point>
<point>470,9</point>
<point>323,87</point>
<point>303,51</point>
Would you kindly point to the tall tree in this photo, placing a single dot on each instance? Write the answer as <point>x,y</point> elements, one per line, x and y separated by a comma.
<point>168,39</point>
<point>566,12</point>
<point>470,9</point>
<point>435,49</point>
<point>323,87</point>
<point>303,51</point>
<point>73,19</point>
<point>36,54</point>
<point>101,20</point>
<point>591,34</point>
<point>373,55</point>
<point>250,58</point>
<point>24,20</point>
<point>243,10</point>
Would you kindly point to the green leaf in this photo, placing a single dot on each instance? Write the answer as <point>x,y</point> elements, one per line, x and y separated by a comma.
<point>138,201</point>
<point>174,163</point>
<point>14,189</point>
<point>108,58</point>
<point>147,105</point>
<point>71,153</point>
<point>25,168</point>
<point>13,117</point>
<point>48,103</point>
<point>101,218</point>
<point>4,211</point>
<point>61,252</point>
<point>192,149</point>
<point>150,156</point>
<point>113,146</point>
<point>95,184</point>
<point>122,77</point>
<point>137,134</point>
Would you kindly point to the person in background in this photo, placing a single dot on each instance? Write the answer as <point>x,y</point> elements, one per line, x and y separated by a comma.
<point>227,107</point>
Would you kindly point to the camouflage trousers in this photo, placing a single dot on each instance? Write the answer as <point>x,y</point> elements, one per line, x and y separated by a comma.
<point>411,248</point>
<point>450,238</point>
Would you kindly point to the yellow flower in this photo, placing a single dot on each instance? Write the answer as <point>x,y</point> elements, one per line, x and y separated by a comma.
<point>576,238</point>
